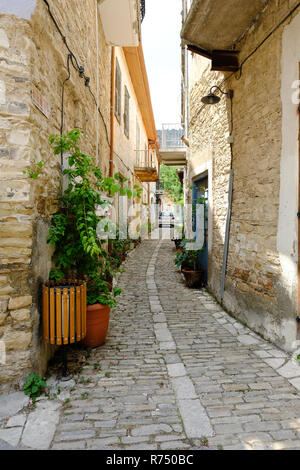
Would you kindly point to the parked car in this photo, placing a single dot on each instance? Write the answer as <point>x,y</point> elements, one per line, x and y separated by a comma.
<point>166,219</point>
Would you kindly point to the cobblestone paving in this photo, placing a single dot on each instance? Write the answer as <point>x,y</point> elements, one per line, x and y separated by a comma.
<point>175,372</point>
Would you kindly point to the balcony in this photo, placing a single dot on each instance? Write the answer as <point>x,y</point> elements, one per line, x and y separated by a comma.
<point>146,167</point>
<point>172,149</point>
<point>218,25</point>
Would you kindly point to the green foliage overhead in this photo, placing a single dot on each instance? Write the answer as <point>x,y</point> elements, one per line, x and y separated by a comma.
<point>171,184</point>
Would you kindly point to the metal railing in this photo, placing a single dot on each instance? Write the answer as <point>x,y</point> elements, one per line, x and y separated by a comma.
<point>143,160</point>
<point>170,136</point>
<point>143,9</point>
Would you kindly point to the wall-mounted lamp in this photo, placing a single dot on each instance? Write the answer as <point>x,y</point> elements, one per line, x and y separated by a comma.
<point>212,98</point>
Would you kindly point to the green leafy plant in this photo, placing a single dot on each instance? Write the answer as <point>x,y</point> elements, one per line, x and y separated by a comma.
<point>67,403</point>
<point>35,171</point>
<point>34,386</point>
<point>119,248</point>
<point>170,183</point>
<point>99,291</point>
<point>79,253</point>
<point>204,442</point>
<point>187,259</point>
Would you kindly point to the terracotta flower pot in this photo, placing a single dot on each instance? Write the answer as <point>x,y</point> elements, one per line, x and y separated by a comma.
<point>97,325</point>
<point>193,278</point>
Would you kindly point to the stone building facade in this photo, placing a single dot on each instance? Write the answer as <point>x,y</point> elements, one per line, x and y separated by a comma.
<point>36,40</point>
<point>131,148</point>
<point>261,279</point>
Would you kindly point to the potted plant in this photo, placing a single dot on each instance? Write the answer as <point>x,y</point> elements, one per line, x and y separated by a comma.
<point>187,260</point>
<point>79,253</point>
<point>177,242</point>
<point>100,299</point>
<point>178,246</point>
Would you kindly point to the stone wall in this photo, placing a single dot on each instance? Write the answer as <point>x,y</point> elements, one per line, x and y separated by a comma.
<point>256,289</point>
<point>32,54</point>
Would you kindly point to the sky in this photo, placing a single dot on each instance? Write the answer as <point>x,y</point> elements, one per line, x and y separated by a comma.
<point>161,43</point>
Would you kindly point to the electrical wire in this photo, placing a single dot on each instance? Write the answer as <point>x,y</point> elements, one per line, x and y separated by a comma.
<point>73,60</point>
<point>99,111</point>
<point>61,34</point>
<point>80,69</point>
<point>127,167</point>
<point>63,101</point>
<point>240,69</point>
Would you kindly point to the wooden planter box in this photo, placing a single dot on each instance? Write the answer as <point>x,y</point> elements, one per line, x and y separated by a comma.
<point>64,311</point>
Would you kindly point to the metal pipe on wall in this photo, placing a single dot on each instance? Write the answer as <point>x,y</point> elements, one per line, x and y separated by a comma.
<point>112,105</point>
<point>97,80</point>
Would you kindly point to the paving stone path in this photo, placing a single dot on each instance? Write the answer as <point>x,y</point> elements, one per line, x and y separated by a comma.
<point>176,372</point>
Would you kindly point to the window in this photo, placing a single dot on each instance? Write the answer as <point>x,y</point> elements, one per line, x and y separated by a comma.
<point>118,92</point>
<point>126,112</point>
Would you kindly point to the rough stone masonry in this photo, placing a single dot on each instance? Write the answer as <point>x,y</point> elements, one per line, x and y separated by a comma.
<point>34,57</point>
<point>261,280</point>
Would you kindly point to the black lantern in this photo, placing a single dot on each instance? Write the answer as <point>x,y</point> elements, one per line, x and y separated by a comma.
<point>212,98</point>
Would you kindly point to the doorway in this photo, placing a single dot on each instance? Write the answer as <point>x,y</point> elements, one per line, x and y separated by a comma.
<point>200,195</point>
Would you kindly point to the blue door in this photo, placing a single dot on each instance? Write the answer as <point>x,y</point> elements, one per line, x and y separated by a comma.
<point>200,190</point>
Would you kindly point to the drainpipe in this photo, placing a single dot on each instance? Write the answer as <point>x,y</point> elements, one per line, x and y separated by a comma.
<point>97,80</point>
<point>112,107</point>
<point>148,163</point>
<point>149,209</point>
<point>229,212</point>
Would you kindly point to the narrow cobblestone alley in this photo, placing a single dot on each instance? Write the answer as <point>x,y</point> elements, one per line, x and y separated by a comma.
<point>150,227</point>
<point>175,372</point>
